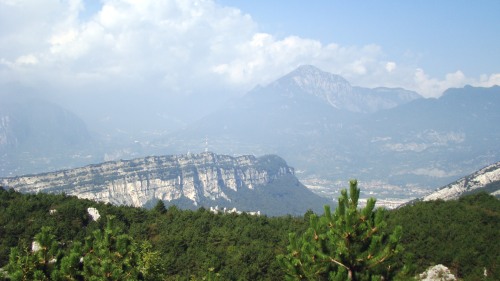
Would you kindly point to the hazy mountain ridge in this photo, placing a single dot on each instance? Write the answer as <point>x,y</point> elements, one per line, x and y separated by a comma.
<point>422,143</point>
<point>38,123</point>
<point>486,179</point>
<point>381,98</point>
<point>383,137</point>
<point>338,92</point>
<point>247,183</point>
<point>453,135</point>
<point>37,135</point>
<point>302,108</point>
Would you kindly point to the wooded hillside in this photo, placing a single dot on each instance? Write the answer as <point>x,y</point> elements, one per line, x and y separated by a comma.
<point>463,235</point>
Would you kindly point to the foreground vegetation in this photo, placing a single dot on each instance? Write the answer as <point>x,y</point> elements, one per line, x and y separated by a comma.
<point>350,244</point>
<point>173,244</point>
<point>464,235</point>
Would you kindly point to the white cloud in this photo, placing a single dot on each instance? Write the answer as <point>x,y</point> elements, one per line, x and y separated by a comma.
<point>433,87</point>
<point>26,60</point>
<point>166,45</point>
<point>488,81</point>
<point>390,66</point>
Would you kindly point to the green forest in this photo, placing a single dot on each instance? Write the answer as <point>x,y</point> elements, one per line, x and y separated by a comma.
<point>173,244</point>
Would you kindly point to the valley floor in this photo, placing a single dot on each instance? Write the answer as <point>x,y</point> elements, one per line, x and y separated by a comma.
<point>388,196</point>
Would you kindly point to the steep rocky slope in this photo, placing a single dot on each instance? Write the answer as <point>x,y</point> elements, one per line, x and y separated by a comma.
<point>265,184</point>
<point>486,179</point>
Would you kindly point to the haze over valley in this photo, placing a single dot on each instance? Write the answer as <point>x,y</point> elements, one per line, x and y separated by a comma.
<point>120,80</point>
<point>399,145</point>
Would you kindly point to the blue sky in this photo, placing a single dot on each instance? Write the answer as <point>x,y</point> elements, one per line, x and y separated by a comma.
<point>162,46</point>
<point>439,36</point>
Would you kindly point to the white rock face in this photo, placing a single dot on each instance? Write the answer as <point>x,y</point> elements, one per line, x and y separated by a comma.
<point>139,181</point>
<point>35,246</point>
<point>437,273</point>
<point>94,213</point>
<point>476,180</point>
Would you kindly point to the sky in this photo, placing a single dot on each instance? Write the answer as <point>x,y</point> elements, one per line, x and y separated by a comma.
<point>194,48</point>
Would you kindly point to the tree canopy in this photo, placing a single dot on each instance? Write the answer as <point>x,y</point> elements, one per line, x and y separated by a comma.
<point>191,245</point>
<point>350,244</point>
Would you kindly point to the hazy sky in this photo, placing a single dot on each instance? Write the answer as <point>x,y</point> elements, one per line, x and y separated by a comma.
<point>190,47</point>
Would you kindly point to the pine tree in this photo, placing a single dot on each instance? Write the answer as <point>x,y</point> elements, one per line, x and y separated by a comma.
<point>107,254</point>
<point>71,267</point>
<point>160,207</point>
<point>39,263</point>
<point>150,264</point>
<point>110,255</point>
<point>351,244</point>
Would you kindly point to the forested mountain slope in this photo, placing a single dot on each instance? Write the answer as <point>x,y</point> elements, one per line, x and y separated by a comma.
<point>462,234</point>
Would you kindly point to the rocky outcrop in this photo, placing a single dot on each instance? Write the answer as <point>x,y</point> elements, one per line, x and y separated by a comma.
<point>137,182</point>
<point>486,179</point>
<point>437,273</point>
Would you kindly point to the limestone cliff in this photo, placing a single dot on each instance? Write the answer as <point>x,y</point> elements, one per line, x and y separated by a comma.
<point>194,179</point>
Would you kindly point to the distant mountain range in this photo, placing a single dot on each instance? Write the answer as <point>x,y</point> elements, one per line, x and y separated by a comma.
<point>329,130</point>
<point>245,183</point>
<point>309,82</point>
<point>303,103</point>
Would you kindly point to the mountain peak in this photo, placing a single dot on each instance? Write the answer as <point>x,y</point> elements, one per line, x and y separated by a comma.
<point>312,77</point>
<point>307,68</point>
<point>310,80</point>
<point>311,83</point>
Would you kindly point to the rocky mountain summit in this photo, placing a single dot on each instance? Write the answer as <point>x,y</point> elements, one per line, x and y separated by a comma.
<point>486,179</point>
<point>247,183</point>
<point>338,92</point>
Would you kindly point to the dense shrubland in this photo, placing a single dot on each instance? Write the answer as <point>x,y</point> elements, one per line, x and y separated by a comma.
<point>174,244</point>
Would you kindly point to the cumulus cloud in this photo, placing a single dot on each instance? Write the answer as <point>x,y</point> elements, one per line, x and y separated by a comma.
<point>27,59</point>
<point>434,87</point>
<point>167,45</point>
<point>390,66</point>
<point>489,80</point>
